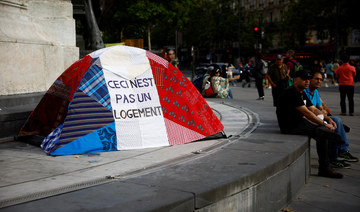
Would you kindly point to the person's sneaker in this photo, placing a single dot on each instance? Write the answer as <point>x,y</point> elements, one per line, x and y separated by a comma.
<point>348,157</point>
<point>346,128</point>
<point>331,173</point>
<point>340,164</point>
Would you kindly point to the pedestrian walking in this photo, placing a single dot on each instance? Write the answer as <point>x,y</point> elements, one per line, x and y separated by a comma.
<point>346,74</point>
<point>278,78</point>
<point>330,73</point>
<point>259,77</point>
<point>246,75</point>
<point>290,54</point>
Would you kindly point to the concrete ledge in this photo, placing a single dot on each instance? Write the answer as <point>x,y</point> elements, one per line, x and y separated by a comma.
<point>14,110</point>
<point>258,171</point>
<point>217,182</point>
<point>236,179</point>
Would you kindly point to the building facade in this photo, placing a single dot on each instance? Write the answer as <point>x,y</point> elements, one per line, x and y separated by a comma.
<point>269,14</point>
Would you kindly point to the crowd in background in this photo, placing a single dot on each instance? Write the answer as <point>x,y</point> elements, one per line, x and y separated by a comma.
<point>294,87</point>
<point>246,72</point>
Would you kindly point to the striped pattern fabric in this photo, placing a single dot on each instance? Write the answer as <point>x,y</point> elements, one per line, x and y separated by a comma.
<point>178,134</point>
<point>157,59</point>
<point>50,140</point>
<point>58,88</point>
<point>158,72</point>
<point>94,85</point>
<point>85,115</point>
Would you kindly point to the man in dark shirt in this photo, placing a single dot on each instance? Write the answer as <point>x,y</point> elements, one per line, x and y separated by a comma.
<point>297,115</point>
<point>278,78</point>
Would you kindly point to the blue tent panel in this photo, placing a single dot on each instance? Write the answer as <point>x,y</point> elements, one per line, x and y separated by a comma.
<point>101,140</point>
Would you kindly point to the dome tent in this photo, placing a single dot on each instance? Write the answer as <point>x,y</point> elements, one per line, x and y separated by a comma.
<point>120,98</point>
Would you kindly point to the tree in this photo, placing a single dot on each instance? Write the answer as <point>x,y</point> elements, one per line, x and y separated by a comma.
<point>322,15</point>
<point>204,24</point>
<point>150,13</point>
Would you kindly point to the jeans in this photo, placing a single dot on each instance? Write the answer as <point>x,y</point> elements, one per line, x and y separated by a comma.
<point>346,90</point>
<point>327,142</point>
<point>230,94</point>
<point>344,146</point>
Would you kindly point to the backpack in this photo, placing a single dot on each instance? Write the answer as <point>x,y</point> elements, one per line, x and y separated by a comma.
<point>265,67</point>
<point>297,67</point>
<point>209,91</point>
<point>198,83</point>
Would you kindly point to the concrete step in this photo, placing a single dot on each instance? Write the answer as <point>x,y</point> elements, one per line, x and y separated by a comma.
<point>14,110</point>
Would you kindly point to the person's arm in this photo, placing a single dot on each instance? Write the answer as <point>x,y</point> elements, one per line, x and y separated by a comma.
<point>307,112</point>
<point>289,65</point>
<point>321,108</point>
<point>324,107</point>
<point>270,81</point>
<point>234,78</point>
<point>326,118</point>
<point>316,111</point>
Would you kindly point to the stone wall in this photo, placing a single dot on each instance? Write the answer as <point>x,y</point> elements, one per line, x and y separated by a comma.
<point>37,43</point>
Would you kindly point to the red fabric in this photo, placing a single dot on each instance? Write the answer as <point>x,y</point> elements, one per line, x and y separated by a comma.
<point>73,75</point>
<point>346,74</point>
<point>52,108</point>
<point>48,115</point>
<point>184,105</point>
<point>209,92</point>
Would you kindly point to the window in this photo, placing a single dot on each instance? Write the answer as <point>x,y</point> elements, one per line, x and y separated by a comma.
<point>261,3</point>
<point>243,3</point>
<point>252,3</point>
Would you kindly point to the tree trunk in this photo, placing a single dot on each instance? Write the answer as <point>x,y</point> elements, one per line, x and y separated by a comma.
<point>149,36</point>
<point>96,41</point>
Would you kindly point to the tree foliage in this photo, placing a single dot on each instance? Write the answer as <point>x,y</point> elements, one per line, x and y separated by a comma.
<point>335,16</point>
<point>202,22</point>
<point>214,24</point>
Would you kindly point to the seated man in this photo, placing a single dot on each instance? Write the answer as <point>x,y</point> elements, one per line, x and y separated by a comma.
<point>343,149</point>
<point>297,115</point>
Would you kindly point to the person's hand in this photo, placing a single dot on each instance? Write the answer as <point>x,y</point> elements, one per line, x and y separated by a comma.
<point>330,126</point>
<point>332,123</point>
<point>237,77</point>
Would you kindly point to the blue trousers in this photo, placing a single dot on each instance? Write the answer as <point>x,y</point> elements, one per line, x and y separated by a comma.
<point>344,146</point>
<point>230,94</point>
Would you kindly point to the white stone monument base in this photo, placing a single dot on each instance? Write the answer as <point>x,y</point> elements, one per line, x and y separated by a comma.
<point>28,68</point>
<point>37,43</point>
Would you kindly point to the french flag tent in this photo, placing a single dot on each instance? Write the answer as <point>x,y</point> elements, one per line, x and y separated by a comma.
<point>120,98</point>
